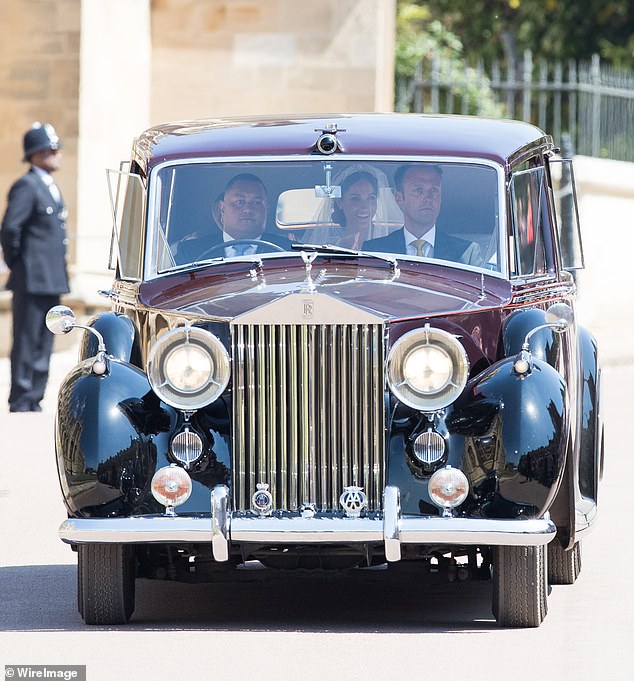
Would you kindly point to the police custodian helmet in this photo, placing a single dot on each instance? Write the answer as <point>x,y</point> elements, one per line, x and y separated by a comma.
<point>39,137</point>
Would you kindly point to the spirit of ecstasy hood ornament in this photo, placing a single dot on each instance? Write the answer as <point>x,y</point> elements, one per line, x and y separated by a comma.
<point>309,284</point>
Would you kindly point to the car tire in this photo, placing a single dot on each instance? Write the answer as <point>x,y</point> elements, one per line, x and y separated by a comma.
<point>519,585</point>
<point>106,583</point>
<point>563,566</point>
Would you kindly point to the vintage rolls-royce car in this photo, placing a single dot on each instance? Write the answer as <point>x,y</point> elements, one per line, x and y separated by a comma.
<point>336,343</point>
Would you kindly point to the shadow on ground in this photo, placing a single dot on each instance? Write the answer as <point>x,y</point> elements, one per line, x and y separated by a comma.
<point>43,598</point>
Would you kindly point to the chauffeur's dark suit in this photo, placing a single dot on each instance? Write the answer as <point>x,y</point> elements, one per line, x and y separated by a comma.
<point>34,247</point>
<point>446,247</point>
<point>191,249</point>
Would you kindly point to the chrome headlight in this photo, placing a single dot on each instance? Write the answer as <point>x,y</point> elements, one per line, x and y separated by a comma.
<point>427,369</point>
<point>188,367</point>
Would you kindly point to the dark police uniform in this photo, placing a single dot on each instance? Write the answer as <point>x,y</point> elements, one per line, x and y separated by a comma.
<point>33,239</point>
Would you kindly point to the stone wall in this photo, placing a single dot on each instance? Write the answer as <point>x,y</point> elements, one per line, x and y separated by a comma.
<point>39,81</point>
<point>271,56</point>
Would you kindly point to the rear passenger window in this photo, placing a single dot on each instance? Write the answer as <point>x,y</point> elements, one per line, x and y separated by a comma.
<point>528,204</point>
<point>567,214</point>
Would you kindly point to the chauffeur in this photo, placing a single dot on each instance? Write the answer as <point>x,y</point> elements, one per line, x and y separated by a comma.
<point>33,237</point>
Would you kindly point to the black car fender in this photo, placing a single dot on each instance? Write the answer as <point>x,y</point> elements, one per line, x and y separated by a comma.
<point>584,465</point>
<point>110,432</point>
<point>120,338</point>
<point>516,426</point>
<point>544,344</point>
<point>591,434</point>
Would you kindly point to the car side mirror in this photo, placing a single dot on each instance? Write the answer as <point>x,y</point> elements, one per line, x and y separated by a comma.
<point>559,317</point>
<point>61,320</point>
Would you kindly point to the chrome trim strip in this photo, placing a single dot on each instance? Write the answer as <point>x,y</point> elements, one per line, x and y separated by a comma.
<point>299,530</point>
<point>274,408</point>
<point>332,426</point>
<point>304,468</point>
<point>345,423</point>
<point>466,531</point>
<point>252,410</point>
<point>391,524</point>
<point>284,426</point>
<point>263,430</point>
<point>158,529</point>
<point>585,517</point>
<point>240,396</point>
<point>220,519</point>
<point>376,435</point>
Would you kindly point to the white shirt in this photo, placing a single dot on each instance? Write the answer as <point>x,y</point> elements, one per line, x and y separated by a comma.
<point>48,180</point>
<point>429,237</point>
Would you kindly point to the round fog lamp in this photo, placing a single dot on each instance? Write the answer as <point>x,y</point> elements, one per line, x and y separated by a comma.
<point>448,488</point>
<point>171,486</point>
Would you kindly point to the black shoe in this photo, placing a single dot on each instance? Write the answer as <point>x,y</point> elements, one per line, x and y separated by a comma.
<point>20,407</point>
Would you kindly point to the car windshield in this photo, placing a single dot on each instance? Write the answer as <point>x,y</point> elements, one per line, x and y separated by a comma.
<point>445,210</point>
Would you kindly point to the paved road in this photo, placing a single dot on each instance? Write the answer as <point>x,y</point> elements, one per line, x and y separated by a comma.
<point>313,630</point>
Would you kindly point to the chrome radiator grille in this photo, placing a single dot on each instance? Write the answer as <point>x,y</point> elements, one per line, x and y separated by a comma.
<point>308,413</point>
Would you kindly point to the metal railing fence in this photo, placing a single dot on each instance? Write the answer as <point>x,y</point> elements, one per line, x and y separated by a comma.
<point>591,102</point>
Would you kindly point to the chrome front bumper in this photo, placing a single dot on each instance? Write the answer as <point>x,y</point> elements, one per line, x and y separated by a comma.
<point>391,529</point>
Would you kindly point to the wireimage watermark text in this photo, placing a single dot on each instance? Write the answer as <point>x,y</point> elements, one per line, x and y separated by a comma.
<point>68,672</point>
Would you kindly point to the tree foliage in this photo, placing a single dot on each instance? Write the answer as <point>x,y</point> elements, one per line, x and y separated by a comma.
<point>420,36</point>
<point>554,29</point>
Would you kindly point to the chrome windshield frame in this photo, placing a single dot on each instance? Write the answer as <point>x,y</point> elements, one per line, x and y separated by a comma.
<point>151,242</point>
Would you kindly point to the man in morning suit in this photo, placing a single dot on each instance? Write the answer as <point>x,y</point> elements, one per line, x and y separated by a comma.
<point>418,193</point>
<point>33,237</point>
<point>242,212</point>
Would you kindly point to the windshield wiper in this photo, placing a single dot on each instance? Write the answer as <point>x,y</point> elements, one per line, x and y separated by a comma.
<point>331,248</point>
<point>253,259</point>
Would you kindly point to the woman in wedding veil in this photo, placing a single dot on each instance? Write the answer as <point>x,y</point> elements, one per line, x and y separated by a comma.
<point>365,210</point>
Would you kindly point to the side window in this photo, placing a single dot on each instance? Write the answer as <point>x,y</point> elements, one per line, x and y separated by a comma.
<point>127,198</point>
<point>527,253</point>
<point>566,211</point>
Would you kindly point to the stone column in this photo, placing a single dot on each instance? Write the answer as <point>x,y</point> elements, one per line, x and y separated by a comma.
<point>114,100</point>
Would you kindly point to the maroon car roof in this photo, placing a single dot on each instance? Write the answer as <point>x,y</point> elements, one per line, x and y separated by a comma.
<point>501,141</point>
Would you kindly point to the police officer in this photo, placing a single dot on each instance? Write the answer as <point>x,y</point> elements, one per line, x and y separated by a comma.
<point>33,237</point>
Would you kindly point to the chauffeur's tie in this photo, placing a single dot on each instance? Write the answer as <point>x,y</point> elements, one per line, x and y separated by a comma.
<point>422,247</point>
<point>244,249</point>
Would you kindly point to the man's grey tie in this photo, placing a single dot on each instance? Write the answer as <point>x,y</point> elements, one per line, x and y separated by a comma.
<point>241,249</point>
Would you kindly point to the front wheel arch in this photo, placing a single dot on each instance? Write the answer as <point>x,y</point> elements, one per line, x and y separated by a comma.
<point>120,337</point>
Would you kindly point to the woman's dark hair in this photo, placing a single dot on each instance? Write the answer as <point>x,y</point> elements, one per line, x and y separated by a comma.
<point>338,214</point>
